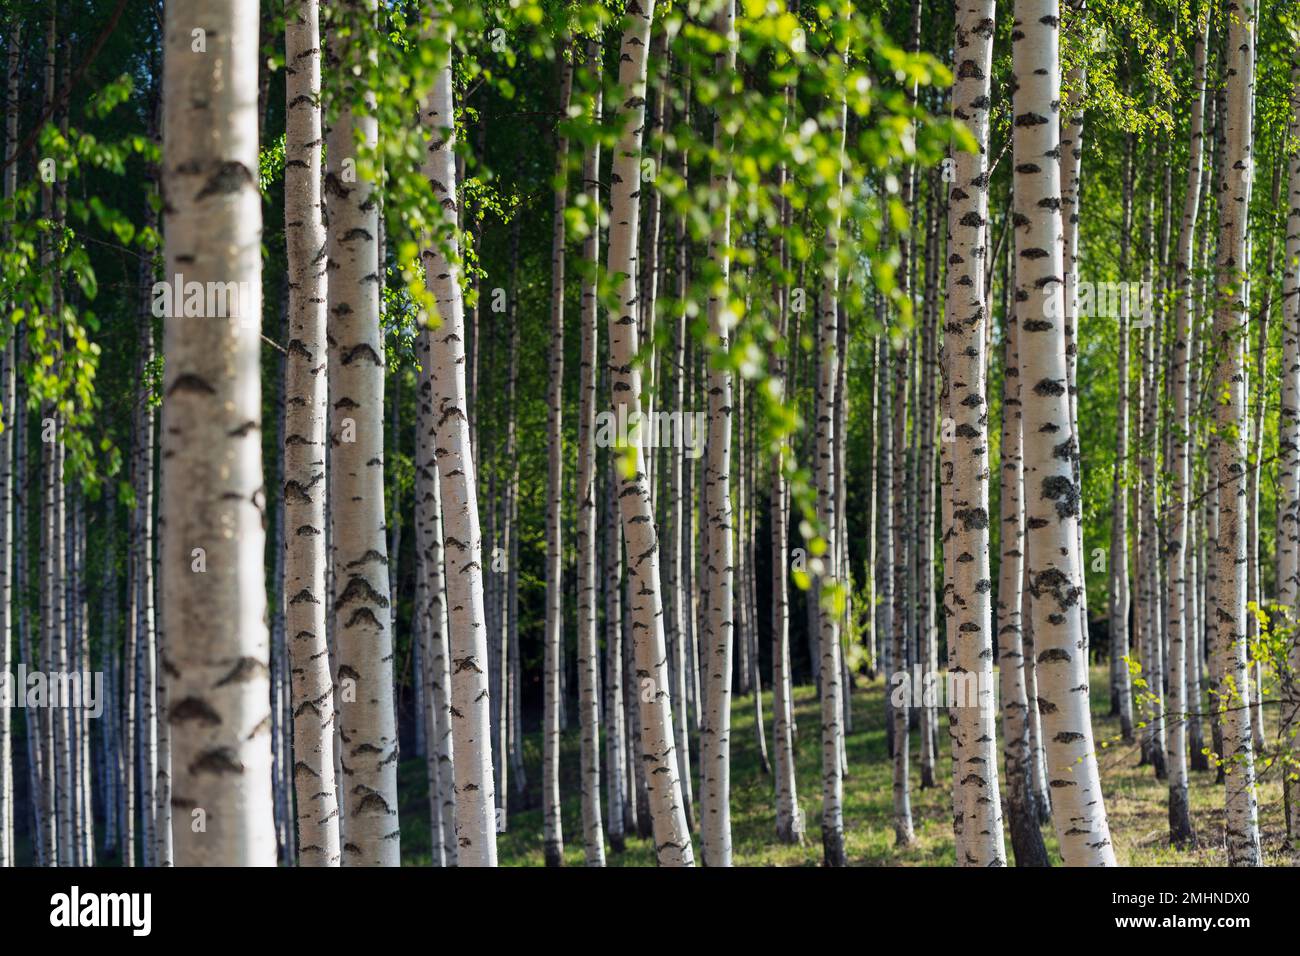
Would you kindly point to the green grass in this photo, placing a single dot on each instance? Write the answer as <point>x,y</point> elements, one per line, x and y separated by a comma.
<point>1135,801</point>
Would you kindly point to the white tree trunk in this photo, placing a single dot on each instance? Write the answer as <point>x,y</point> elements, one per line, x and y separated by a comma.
<point>553,637</point>
<point>894,409</point>
<point>593,835</point>
<point>615,712</point>
<point>977,810</point>
<point>1288,510</point>
<point>720,633</point>
<point>431,616</point>
<point>1013,668</point>
<point>8,474</point>
<point>1120,686</point>
<point>680,513</point>
<point>367,729</point>
<point>671,837</point>
<point>462,540</point>
<point>212,484</point>
<point>305,484</point>
<point>1051,494</point>
<point>828,618</point>
<point>1176,704</point>
<point>789,819</point>
<point>1229,556</point>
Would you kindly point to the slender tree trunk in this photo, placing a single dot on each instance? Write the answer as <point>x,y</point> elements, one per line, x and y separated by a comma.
<point>304,481</point>
<point>616,717</point>
<point>1071,147</point>
<point>927,377</point>
<point>680,514</point>
<point>356,481</point>
<point>1026,837</point>
<point>1150,639</point>
<point>431,612</point>
<point>751,594</point>
<point>1120,690</point>
<point>213,515</point>
<point>1180,820</point>
<point>553,838</point>
<point>1051,494</point>
<point>1233,699</point>
<point>671,837</point>
<point>504,604</point>
<point>896,408</point>
<point>8,475</point>
<point>720,632</point>
<point>831,593</point>
<point>977,811</point>
<point>1259,394</point>
<point>1288,508</point>
<point>462,544</point>
<point>593,836</point>
<point>789,818</point>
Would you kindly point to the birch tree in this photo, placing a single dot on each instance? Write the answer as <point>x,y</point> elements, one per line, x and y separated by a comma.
<point>828,618</point>
<point>1026,837</point>
<point>1229,550</point>
<point>977,811</point>
<point>305,484</point>
<point>1120,687</point>
<point>681,512</point>
<point>671,837</point>
<point>552,644</point>
<point>367,727</point>
<point>1176,707</point>
<point>1051,495</point>
<point>720,632</point>
<point>789,822</point>
<point>593,835</point>
<point>212,494</point>
<point>431,614</point>
<point>1288,519</point>
<point>8,473</point>
<point>462,539</point>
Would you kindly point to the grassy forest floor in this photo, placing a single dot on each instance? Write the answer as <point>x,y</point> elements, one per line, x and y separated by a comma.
<point>1136,801</point>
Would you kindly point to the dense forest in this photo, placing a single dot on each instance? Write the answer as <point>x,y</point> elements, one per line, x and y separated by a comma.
<point>612,432</point>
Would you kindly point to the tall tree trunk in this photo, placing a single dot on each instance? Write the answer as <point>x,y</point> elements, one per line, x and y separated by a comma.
<point>1072,169</point>
<point>928,375</point>
<point>305,484</point>
<point>893,599</point>
<point>8,474</point>
<point>720,633</point>
<point>1288,508</point>
<point>1121,695</point>
<point>1229,557</point>
<point>1051,495</point>
<point>977,811</point>
<point>616,715</point>
<point>671,837</point>
<point>1026,837</point>
<point>830,611</point>
<point>1176,706</point>
<point>365,717</point>
<point>1258,394</point>
<point>431,613</point>
<point>680,512</point>
<point>212,483</point>
<point>593,834</point>
<point>462,543</point>
<point>789,818</point>
<point>553,638</point>
<point>508,587</point>
<point>1150,640</point>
